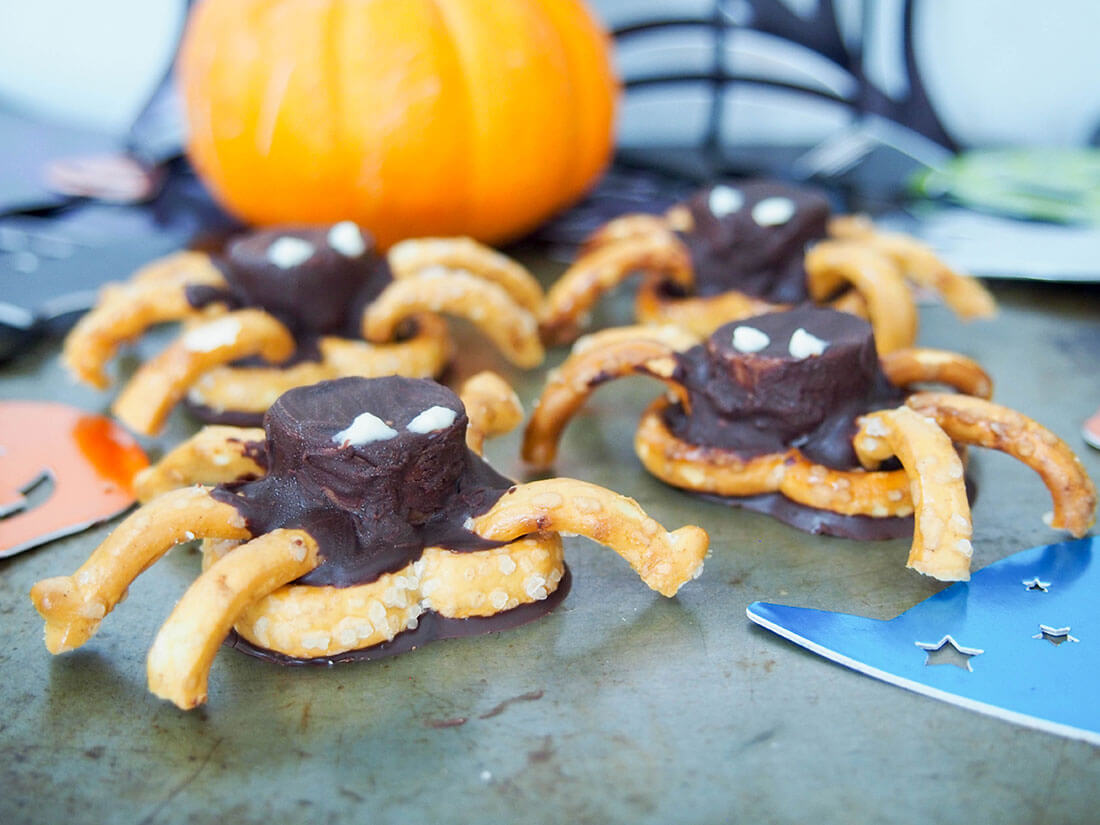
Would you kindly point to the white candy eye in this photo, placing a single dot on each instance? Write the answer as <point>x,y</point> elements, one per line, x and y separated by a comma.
<point>346,239</point>
<point>432,419</point>
<point>365,429</point>
<point>749,339</point>
<point>803,344</point>
<point>287,252</point>
<point>725,200</point>
<point>773,211</point>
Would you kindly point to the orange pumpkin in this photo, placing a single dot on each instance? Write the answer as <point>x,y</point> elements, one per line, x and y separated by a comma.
<point>410,117</point>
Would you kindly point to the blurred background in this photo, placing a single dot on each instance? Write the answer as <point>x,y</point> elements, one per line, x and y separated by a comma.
<point>997,73</point>
<point>974,126</point>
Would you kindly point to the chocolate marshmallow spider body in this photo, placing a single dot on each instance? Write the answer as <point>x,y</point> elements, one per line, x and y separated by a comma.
<point>800,380</point>
<point>793,414</point>
<point>292,306</point>
<point>794,379</point>
<point>733,251</point>
<point>753,237</point>
<point>374,470</point>
<point>315,281</point>
<point>363,524</point>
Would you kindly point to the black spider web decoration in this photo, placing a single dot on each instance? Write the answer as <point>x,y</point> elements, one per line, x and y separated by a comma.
<point>818,32</point>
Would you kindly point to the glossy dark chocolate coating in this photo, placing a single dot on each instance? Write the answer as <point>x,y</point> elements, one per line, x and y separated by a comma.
<point>323,295</point>
<point>372,507</point>
<point>819,522</point>
<point>734,252</point>
<point>764,402</point>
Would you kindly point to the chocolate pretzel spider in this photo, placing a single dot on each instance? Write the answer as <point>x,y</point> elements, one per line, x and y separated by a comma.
<point>362,524</point>
<point>792,413</point>
<point>732,252</point>
<point>289,307</point>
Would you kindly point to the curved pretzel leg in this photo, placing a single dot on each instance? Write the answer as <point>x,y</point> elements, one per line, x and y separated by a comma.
<point>254,389</point>
<point>976,421</point>
<point>941,526</point>
<point>179,660</point>
<point>851,302</point>
<point>160,383</point>
<point>670,335</point>
<point>603,269</point>
<point>308,622</point>
<point>664,560</point>
<point>73,606</point>
<point>914,365</point>
<point>413,257</point>
<point>632,227</point>
<point>723,472</point>
<point>577,378</point>
<point>156,294</point>
<point>700,315</point>
<point>893,315</point>
<point>492,407</point>
<point>964,294</point>
<point>507,324</point>
<point>214,455</point>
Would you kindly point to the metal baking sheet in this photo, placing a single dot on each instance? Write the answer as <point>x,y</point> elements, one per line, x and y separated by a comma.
<point>621,706</point>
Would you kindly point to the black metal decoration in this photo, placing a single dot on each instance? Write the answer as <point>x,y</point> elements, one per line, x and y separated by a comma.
<point>817,32</point>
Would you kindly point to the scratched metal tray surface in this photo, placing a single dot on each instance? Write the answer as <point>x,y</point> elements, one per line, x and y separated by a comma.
<point>621,706</point>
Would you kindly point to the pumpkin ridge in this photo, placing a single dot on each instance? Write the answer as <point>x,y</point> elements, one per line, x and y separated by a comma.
<point>443,13</point>
<point>333,74</point>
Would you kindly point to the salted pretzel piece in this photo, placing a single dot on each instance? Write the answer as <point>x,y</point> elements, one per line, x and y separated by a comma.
<point>251,390</point>
<point>487,305</point>
<point>701,468</point>
<point>162,382</point>
<point>723,472</point>
<point>915,365</point>
<point>664,560</point>
<point>672,336</point>
<point>307,622</point>
<point>156,294</point>
<point>73,606</point>
<point>492,407</point>
<point>414,257</point>
<point>215,454</point>
<point>893,316</point>
<point>965,295</point>
<point>985,424</point>
<point>630,227</point>
<point>662,255</point>
<point>178,666</point>
<point>699,315</point>
<point>570,385</point>
<point>941,527</point>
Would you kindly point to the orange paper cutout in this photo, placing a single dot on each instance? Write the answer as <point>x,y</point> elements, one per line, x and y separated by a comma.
<point>90,459</point>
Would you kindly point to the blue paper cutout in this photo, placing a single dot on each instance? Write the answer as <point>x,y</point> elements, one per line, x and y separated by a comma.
<point>991,621</point>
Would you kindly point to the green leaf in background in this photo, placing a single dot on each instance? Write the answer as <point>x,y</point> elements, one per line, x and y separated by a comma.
<point>1061,185</point>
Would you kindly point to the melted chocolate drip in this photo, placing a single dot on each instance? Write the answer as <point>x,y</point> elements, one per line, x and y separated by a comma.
<point>754,403</point>
<point>431,627</point>
<point>323,295</point>
<point>373,506</point>
<point>820,522</point>
<point>733,251</point>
